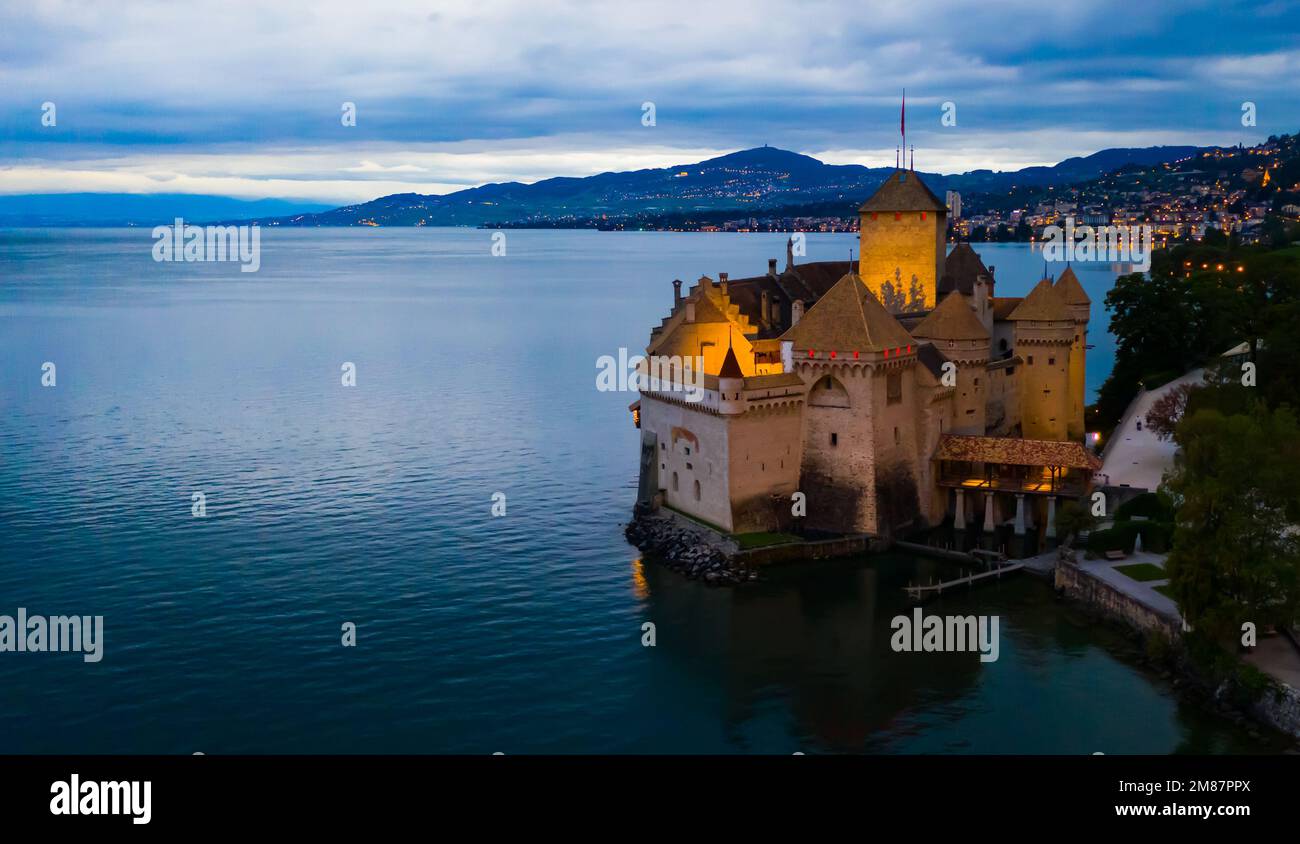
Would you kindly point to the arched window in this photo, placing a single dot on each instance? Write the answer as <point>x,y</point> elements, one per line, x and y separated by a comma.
<point>697,490</point>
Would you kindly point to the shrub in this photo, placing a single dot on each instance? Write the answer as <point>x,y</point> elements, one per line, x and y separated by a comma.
<point>1121,537</point>
<point>1153,505</point>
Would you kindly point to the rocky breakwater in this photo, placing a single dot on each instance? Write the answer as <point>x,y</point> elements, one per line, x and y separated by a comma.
<point>687,548</point>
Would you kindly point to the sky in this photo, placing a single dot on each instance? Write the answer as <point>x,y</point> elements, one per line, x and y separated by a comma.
<point>245,99</point>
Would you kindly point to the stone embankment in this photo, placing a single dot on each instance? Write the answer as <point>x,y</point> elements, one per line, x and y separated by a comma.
<point>692,550</point>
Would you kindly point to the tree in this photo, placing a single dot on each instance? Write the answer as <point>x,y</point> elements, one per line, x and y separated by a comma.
<point>1072,519</point>
<point>1167,412</point>
<point>1236,554</point>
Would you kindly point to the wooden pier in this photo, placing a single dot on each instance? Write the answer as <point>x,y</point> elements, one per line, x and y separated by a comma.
<point>919,593</point>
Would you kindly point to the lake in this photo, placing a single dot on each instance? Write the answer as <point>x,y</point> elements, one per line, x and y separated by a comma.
<point>371,505</point>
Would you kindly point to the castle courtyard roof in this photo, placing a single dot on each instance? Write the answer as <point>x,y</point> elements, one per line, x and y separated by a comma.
<point>904,191</point>
<point>1010,451</point>
<point>848,318</point>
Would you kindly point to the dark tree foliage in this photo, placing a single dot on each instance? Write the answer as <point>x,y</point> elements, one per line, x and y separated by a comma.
<point>1198,301</point>
<point>1236,483</point>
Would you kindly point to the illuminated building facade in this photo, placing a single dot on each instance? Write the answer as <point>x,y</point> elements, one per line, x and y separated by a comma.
<point>893,392</point>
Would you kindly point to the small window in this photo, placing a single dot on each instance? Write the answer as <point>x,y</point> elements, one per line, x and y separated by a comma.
<point>663,446</point>
<point>893,388</point>
<point>674,481</point>
<point>1051,361</point>
<point>689,467</point>
<point>835,439</point>
<point>697,490</point>
<point>897,440</point>
<point>977,382</point>
<point>1030,360</point>
<point>688,451</point>
<point>1002,344</point>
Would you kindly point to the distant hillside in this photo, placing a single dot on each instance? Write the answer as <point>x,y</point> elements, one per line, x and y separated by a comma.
<point>751,180</point>
<point>125,209</point>
<point>740,183</point>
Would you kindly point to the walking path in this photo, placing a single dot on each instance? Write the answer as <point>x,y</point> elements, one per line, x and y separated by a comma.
<point>1140,591</point>
<point>1136,457</point>
<point>1275,655</point>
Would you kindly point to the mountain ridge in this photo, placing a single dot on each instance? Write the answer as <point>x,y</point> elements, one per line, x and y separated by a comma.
<point>744,181</point>
<point>754,179</point>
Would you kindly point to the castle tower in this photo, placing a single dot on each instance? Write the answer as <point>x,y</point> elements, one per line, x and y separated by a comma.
<point>958,334</point>
<point>964,272</point>
<point>859,433</point>
<point>1044,335</point>
<point>1080,307</point>
<point>731,385</point>
<point>902,243</point>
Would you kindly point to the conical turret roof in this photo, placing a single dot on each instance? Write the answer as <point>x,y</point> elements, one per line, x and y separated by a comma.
<point>730,366</point>
<point>848,318</point>
<point>1044,303</point>
<point>1070,289</point>
<point>952,320</point>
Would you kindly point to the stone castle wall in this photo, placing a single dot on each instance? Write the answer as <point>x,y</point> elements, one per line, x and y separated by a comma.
<point>1044,380</point>
<point>693,448</point>
<point>839,462</point>
<point>766,450</point>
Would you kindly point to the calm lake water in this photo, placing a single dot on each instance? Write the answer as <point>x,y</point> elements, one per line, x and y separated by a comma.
<point>372,505</point>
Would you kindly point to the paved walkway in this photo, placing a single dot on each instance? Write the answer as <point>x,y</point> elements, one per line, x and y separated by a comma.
<point>1140,591</point>
<point>1275,655</point>
<point>1136,458</point>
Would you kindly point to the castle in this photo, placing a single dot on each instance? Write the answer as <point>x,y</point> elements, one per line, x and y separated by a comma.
<point>895,394</point>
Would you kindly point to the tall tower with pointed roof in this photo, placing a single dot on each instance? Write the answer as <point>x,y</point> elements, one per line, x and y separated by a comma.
<point>1044,332</point>
<point>957,332</point>
<point>902,243</point>
<point>1080,307</point>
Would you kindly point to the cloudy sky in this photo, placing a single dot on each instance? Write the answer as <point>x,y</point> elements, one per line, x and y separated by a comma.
<point>244,99</point>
